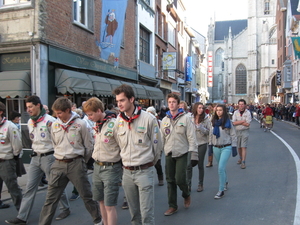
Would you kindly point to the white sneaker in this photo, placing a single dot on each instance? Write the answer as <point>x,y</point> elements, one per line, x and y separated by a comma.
<point>100,223</point>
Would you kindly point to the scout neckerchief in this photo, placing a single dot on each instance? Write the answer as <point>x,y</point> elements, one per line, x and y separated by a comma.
<point>2,121</point>
<point>241,113</point>
<point>180,112</point>
<point>39,118</point>
<point>136,114</point>
<point>68,124</point>
<point>99,124</point>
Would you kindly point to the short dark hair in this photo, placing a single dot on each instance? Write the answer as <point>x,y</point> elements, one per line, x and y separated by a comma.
<point>35,100</point>
<point>126,89</point>
<point>242,100</point>
<point>110,106</point>
<point>62,104</point>
<point>13,115</point>
<point>2,108</point>
<point>173,95</point>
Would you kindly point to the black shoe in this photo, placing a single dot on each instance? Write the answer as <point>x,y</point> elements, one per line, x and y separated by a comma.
<point>125,205</point>
<point>4,206</point>
<point>63,215</point>
<point>16,221</point>
<point>219,195</point>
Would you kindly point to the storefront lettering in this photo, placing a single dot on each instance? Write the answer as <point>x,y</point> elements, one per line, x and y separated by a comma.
<point>82,61</point>
<point>15,60</point>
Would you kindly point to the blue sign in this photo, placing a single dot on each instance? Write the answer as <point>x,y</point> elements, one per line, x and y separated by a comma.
<point>111,33</point>
<point>188,69</point>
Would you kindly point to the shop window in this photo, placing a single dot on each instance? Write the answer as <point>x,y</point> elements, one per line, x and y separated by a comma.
<point>83,13</point>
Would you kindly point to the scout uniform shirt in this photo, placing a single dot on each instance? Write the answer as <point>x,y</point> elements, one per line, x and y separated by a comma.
<point>178,135</point>
<point>106,148</point>
<point>10,140</point>
<point>41,134</point>
<point>76,140</point>
<point>140,141</point>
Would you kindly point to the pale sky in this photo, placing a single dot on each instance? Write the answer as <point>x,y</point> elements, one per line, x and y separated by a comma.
<point>200,12</point>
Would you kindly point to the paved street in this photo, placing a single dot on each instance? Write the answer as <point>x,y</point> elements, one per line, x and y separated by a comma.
<point>264,193</point>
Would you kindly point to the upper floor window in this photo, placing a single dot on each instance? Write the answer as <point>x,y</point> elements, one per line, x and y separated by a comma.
<point>144,45</point>
<point>219,62</point>
<point>240,80</point>
<point>267,7</point>
<point>171,34</point>
<point>83,13</point>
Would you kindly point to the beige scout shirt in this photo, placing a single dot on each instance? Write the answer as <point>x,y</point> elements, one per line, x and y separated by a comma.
<point>178,136</point>
<point>141,143</point>
<point>10,138</point>
<point>106,148</point>
<point>238,117</point>
<point>78,141</point>
<point>41,134</point>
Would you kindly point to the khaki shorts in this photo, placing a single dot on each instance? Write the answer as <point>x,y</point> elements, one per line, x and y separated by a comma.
<point>242,138</point>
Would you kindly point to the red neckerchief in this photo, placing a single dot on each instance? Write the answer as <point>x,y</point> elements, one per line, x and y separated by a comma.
<point>241,112</point>
<point>66,127</point>
<point>99,124</point>
<point>3,121</point>
<point>131,119</point>
<point>38,120</point>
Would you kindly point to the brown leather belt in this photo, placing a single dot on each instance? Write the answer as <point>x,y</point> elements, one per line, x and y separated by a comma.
<point>106,163</point>
<point>221,146</point>
<point>68,160</point>
<point>141,167</point>
<point>42,154</point>
<point>2,160</point>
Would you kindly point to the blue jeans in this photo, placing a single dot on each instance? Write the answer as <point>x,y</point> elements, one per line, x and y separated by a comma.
<point>222,155</point>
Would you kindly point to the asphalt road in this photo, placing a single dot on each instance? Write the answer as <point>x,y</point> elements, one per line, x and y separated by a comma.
<point>264,193</point>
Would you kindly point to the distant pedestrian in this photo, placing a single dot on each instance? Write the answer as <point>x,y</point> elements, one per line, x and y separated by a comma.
<point>241,119</point>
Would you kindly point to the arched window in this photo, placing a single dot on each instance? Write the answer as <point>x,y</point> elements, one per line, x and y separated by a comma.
<point>219,58</point>
<point>240,79</point>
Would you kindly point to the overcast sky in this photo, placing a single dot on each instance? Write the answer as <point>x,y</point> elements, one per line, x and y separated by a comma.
<point>200,12</point>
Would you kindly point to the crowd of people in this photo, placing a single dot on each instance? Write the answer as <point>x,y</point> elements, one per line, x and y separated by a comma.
<point>125,144</point>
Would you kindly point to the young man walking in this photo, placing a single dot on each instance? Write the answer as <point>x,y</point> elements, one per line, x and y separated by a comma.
<point>241,119</point>
<point>107,166</point>
<point>73,144</point>
<point>39,127</point>
<point>10,148</point>
<point>179,138</point>
<point>140,142</point>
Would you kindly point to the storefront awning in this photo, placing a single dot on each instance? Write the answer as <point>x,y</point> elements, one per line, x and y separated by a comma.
<point>114,83</point>
<point>72,82</point>
<point>101,86</point>
<point>15,83</point>
<point>154,93</point>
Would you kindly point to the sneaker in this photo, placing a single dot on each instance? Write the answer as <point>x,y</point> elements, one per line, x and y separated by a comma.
<point>219,195</point>
<point>243,166</point>
<point>239,161</point>
<point>161,183</point>
<point>226,186</point>
<point>125,205</point>
<point>74,197</point>
<point>16,221</point>
<point>100,223</point>
<point>200,188</point>
<point>63,215</point>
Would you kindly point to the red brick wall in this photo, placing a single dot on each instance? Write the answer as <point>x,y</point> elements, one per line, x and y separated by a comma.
<point>61,32</point>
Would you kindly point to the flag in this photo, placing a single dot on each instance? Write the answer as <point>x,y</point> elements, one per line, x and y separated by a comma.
<point>296,44</point>
<point>112,27</point>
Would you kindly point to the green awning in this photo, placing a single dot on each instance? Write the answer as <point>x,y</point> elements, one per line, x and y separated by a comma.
<point>139,91</point>
<point>72,82</point>
<point>101,86</point>
<point>15,83</point>
<point>154,93</point>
